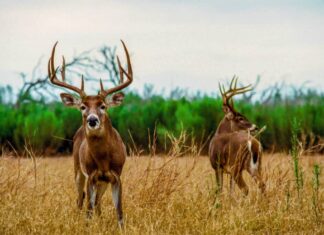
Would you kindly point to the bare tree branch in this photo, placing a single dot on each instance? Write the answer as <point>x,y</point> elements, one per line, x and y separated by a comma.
<point>88,63</point>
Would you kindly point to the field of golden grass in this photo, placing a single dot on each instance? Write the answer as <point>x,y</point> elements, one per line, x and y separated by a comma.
<point>161,195</point>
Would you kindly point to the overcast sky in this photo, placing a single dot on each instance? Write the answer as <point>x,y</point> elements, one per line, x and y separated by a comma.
<point>189,44</point>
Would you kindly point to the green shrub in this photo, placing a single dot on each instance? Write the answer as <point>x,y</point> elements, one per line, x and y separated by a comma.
<point>52,126</point>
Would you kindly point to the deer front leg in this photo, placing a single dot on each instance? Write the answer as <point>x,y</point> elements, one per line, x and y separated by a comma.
<point>92,191</point>
<point>101,188</point>
<point>79,182</point>
<point>116,188</point>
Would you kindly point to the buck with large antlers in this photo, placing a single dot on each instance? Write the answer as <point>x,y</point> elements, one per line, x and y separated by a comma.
<point>98,150</point>
<point>232,148</point>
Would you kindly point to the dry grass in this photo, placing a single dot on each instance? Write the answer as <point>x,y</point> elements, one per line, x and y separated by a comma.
<point>161,196</point>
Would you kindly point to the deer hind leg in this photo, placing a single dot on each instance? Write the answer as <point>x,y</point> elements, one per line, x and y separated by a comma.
<point>255,169</point>
<point>219,179</point>
<point>232,185</point>
<point>80,182</point>
<point>258,179</point>
<point>241,183</point>
<point>116,188</point>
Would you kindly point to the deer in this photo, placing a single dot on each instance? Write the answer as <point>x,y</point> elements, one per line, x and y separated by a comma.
<point>232,148</point>
<point>98,150</point>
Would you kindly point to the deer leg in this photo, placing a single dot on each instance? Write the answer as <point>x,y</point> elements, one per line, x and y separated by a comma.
<point>241,183</point>
<point>116,188</point>
<point>79,182</point>
<point>255,170</point>
<point>219,179</point>
<point>261,184</point>
<point>258,179</point>
<point>101,188</point>
<point>92,191</point>
<point>232,185</point>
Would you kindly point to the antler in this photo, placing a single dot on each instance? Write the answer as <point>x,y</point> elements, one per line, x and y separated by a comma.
<point>52,75</point>
<point>129,75</point>
<point>232,91</point>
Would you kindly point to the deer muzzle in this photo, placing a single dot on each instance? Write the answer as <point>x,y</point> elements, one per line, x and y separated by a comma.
<point>93,121</point>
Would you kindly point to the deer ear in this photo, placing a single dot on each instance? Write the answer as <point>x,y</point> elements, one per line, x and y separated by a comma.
<point>226,109</point>
<point>230,115</point>
<point>228,112</point>
<point>115,100</point>
<point>70,100</point>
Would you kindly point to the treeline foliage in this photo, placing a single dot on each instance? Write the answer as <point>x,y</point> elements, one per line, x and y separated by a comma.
<point>49,127</point>
<point>29,121</point>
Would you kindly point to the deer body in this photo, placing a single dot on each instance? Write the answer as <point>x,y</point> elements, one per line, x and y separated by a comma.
<point>98,150</point>
<point>233,149</point>
<point>99,160</point>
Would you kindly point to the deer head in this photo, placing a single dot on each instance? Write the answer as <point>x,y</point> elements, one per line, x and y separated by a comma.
<point>233,120</point>
<point>93,107</point>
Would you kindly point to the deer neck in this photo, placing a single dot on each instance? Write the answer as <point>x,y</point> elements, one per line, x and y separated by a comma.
<point>224,127</point>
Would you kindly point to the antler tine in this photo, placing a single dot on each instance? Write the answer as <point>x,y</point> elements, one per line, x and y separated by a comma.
<point>232,91</point>
<point>231,88</point>
<point>235,84</point>
<point>82,83</point>
<point>220,88</point>
<point>234,80</point>
<point>52,75</point>
<point>129,75</point>
<point>101,86</point>
<point>129,65</point>
<point>63,69</point>
<point>49,69</point>
<point>121,74</point>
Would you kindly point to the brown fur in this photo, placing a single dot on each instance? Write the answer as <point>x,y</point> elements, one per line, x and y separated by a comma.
<point>100,155</point>
<point>98,150</point>
<point>233,149</point>
<point>229,154</point>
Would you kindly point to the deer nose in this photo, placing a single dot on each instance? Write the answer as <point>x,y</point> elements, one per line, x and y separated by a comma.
<point>92,120</point>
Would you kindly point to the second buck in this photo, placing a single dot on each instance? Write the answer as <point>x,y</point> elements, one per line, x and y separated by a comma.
<point>98,150</point>
<point>233,149</point>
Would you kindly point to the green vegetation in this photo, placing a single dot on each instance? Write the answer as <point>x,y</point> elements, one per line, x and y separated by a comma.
<point>298,172</point>
<point>316,185</point>
<point>49,127</point>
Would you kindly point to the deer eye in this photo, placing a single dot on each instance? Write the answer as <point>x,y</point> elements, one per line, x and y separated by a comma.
<point>83,107</point>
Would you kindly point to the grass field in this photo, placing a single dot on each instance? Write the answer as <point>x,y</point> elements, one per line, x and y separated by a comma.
<point>161,196</point>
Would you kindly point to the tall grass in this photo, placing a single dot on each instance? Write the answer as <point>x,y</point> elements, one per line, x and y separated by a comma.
<point>161,195</point>
<point>316,186</point>
<point>165,194</point>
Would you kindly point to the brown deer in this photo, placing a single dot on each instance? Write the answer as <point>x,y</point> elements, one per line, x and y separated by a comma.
<point>233,149</point>
<point>98,150</point>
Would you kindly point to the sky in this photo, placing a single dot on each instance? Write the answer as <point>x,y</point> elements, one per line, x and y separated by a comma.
<point>187,44</point>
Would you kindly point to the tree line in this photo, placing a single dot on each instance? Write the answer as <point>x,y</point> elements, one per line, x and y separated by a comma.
<point>33,118</point>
